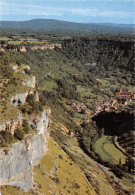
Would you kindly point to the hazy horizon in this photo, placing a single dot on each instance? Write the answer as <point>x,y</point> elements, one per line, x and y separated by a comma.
<point>78,11</point>
<point>66,21</point>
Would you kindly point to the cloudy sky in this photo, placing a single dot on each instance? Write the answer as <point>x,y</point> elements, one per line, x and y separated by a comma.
<point>85,11</point>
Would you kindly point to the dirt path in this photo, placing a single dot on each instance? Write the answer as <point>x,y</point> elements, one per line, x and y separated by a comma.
<point>55,69</point>
<point>105,171</point>
<point>48,74</point>
<point>117,145</point>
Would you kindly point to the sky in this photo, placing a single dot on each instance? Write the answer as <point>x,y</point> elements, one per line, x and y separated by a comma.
<point>81,11</point>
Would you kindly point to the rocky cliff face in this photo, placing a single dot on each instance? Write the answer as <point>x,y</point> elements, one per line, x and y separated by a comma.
<point>17,163</point>
<point>11,124</point>
<point>35,47</point>
<point>20,99</point>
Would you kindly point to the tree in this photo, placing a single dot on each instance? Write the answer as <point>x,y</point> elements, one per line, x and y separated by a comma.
<point>19,134</point>
<point>3,42</point>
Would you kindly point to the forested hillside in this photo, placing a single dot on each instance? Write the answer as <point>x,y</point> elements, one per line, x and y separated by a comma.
<point>65,26</point>
<point>114,52</point>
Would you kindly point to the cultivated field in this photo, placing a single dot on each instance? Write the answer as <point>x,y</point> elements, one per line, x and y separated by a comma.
<point>108,152</point>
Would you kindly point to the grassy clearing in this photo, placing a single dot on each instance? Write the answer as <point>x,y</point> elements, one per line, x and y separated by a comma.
<point>48,86</point>
<point>108,152</point>
<point>78,121</point>
<point>20,76</point>
<point>4,38</point>
<point>78,118</point>
<point>58,174</point>
<point>79,115</point>
<point>70,69</point>
<point>84,91</point>
<point>11,190</point>
<point>35,42</point>
<point>128,183</point>
<point>13,42</point>
<point>87,94</point>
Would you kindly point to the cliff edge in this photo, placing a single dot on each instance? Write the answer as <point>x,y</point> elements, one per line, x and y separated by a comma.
<point>25,122</point>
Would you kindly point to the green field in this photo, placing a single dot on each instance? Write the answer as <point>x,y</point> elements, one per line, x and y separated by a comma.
<point>107,151</point>
<point>13,42</point>
<point>4,38</point>
<point>48,86</point>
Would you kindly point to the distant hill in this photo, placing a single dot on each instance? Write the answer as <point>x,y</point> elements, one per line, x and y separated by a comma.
<point>129,26</point>
<point>59,25</point>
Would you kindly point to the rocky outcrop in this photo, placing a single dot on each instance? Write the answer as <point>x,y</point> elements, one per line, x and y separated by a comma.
<point>46,46</point>
<point>23,49</point>
<point>17,160</point>
<point>11,124</point>
<point>30,81</point>
<point>36,97</point>
<point>20,99</point>
<point>15,68</point>
<point>2,49</point>
<point>17,163</point>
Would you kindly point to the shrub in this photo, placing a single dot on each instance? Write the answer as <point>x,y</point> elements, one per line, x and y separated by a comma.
<point>6,138</point>
<point>25,125</point>
<point>27,71</point>
<point>26,129</point>
<point>2,142</point>
<point>60,156</point>
<point>75,185</point>
<point>57,180</point>
<point>36,106</point>
<point>19,134</point>
<point>29,112</point>
<point>30,99</point>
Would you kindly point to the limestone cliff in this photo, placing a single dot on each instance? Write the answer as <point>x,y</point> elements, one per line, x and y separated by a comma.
<point>29,80</point>
<point>20,99</point>
<point>18,159</point>
<point>16,164</point>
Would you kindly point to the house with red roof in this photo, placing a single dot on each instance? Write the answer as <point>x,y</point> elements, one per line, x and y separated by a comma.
<point>125,94</point>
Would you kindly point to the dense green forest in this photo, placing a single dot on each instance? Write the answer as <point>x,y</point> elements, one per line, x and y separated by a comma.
<point>108,54</point>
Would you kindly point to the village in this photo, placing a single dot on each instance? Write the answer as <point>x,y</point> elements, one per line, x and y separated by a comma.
<point>119,100</point>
